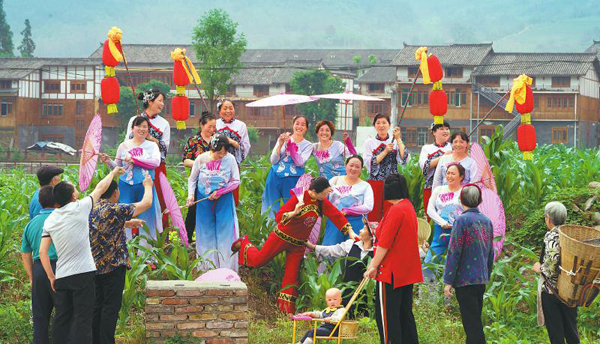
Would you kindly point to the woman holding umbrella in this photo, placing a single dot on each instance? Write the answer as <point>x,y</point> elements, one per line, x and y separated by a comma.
<point>214,176</point>
<point>330,154</point>
<point>139,157</point>
<point>288,158</point>
<point>382,155</point>
<point>196,145</point>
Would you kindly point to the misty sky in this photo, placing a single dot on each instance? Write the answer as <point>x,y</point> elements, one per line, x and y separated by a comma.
<point>69,28</point>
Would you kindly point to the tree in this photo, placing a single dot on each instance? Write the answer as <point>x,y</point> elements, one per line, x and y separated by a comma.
<point>27,45</point>
<point>6,36</point>
<point>317,82</point>
<point>218,48</point>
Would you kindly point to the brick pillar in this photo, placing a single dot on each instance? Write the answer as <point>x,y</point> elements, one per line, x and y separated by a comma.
<point>213,311</point>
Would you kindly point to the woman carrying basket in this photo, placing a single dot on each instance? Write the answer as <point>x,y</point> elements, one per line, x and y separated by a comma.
<point>560,319</point>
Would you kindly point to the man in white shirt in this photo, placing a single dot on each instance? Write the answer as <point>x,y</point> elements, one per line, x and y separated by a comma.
<point>67,227</point>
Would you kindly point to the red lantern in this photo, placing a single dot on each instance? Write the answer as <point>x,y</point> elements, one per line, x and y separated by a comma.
<point>436,72</point>
<point>527,106</point>
<point>107,57</point>
<point>109,88</point>
<point>180,106</point>
<point>526,140</point>
<point>180,77</point>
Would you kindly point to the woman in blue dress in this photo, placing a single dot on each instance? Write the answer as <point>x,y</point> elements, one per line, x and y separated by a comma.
<point>288,158</point>
<point>139,157</point>
<point>352,196</point>
<point>330,154</point>
<point>214,176</point>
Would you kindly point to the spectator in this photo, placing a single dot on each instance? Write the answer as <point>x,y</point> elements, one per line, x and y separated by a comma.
<point>109,248</point>
<point>47,175</point>
<point>67,228</point>
<point>42,296</point>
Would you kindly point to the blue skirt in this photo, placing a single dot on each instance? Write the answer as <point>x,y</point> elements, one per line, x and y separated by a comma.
<point>277,189</point>
<point>332,234</point>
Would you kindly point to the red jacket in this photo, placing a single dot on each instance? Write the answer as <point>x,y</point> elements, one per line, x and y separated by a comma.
<point>300,226</point>
<point>397,232</point>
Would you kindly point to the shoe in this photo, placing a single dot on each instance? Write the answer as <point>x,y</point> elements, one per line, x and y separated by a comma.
<point>237,245</point>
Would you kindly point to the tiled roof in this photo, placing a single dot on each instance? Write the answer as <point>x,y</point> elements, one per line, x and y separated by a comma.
<point>379,74</point>
<point>17,68</point>
<point>257,75</point>
<point>594,48</point>
<point>449,55</point>
<point>537,64</point>
<point>332,58</point>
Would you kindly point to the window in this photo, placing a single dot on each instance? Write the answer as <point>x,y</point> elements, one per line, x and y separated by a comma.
<point>79,108</point>
<point>5,84</point>
<point>571,102</point>
<point>561,81</point>
<point>554,102</point>
<point>230,90</point>
<point>290,110</point>
<point>559,134</point>
<point>78,86</point>
<point>261,90</point>
<point>422,135</point>
<point>454,72</point>
<point>52,137</point>
<point>375,107</point>
<point>486,130</point>
<point>409,136</point>
<point>490,81</point>
<point>262,111</point>
<point>52,109</point>
<point>6,108</point>
<point>52,86</point>
<point>192,109</point>
<point>549,102</point>
<point>405,93</point>
<point>412,72</point>
<point>377,88</point>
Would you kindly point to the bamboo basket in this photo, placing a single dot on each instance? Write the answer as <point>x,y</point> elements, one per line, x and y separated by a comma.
<point>579,279</point>
<point>348,330</point>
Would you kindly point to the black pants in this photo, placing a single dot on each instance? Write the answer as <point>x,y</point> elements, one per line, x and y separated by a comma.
<point>322,331</point>
<point>394,315</point>
<point>190,222</point>
<point>109,295</point>
<point>561,320</point>
<point>42,302</point>
<point>75,296</point>
<point>470,301</point>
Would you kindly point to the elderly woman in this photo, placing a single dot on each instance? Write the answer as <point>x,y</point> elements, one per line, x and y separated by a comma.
<point>560,320</point>
<point>469,262</point>
<point>396,266</point>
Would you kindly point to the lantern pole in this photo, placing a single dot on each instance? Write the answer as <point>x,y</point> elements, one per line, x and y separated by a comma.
<point>195,84</point>
<point>489,113</point>
<point>407,99</point>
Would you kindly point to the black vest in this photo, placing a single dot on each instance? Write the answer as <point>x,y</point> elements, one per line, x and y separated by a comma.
<point>355,268</point>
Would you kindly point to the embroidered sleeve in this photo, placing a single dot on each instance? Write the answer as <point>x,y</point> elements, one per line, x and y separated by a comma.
<point>350,146</point>
<point>404,158</point>
<point>245,142</point>
<point>364,208</point>
<point>234,179</point>
<point>275,155</point>
<point>432,211</point>
<point>150,162</point>
<point>193,179</point>
<point>289,206</point>
<point>367,156</point>
<point>438,176</point>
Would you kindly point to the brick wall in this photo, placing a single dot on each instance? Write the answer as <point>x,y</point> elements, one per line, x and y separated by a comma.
<point>213,311</point>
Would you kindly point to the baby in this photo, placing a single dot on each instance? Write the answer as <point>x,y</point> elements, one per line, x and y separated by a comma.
<point>331,315</point>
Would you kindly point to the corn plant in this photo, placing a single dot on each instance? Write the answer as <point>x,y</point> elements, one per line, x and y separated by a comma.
<point>135,281</point>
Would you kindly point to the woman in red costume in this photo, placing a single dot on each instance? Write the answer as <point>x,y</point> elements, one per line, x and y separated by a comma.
<point>295,221</point>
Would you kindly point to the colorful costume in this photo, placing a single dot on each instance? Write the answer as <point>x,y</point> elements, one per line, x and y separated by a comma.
<point>288,166</point>
<point>160,129</point>
<point>354,201</point>
<point>439,178</point>
<point>443,209</point>
<point>378,172</point>
<point>237,131</point>
<point>289,237</point>
<point>428,153</point>
<point>195,146</point>
<point>216,221</point>
<point>146,159</point>
<point>332,161</point>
